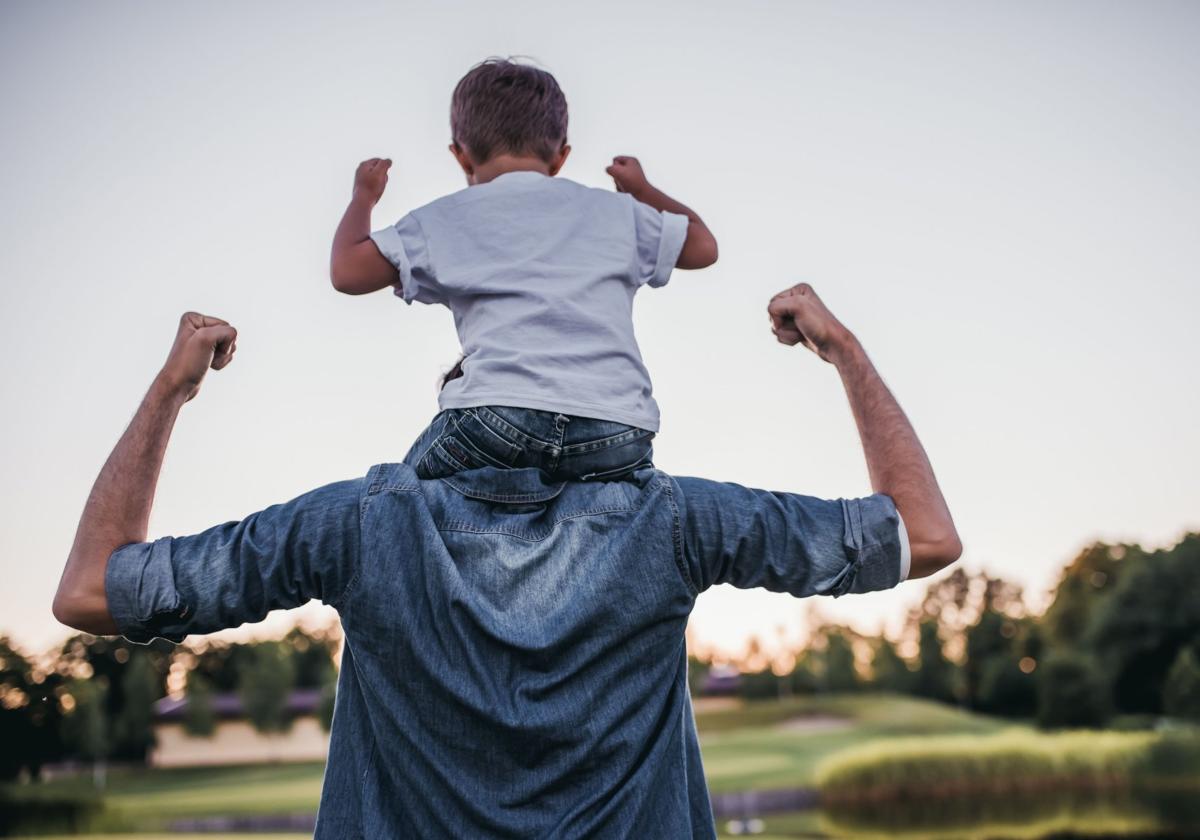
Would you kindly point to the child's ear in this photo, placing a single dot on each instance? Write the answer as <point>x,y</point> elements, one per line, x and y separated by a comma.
<point>464,160</point>
<point>559,159</point>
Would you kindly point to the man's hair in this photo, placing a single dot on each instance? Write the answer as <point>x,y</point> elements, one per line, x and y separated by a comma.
<point>502,106</point>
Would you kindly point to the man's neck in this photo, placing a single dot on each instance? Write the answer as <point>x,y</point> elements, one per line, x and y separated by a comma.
<point>500,164</point>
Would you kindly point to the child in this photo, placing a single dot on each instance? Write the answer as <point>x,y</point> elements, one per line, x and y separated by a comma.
<point>540,274</point>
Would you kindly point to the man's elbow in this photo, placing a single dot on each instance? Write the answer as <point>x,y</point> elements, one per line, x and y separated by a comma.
<point>932,555</point>
<point>66,609</point>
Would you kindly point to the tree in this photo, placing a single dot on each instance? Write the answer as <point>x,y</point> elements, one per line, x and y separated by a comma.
<point>265,681</point>
<point>840,671</point>
<point>140,688</point>
<point>199,716</point>
<point>30,716</point>
<point>1006,688</point>
<point>1085,584</point>
<point>85,728</point>
<point>1137,632</point>
<point>935,673</point>
<point>1181,693</point>
<point>1071,693</point>
<point>889,671</point>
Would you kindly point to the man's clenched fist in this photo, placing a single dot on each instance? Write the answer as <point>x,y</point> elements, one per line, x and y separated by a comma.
<point>799,316</point>
<point>201,342</point>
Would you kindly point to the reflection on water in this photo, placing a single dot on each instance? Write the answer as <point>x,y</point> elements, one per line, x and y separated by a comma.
<point>1143,814</point>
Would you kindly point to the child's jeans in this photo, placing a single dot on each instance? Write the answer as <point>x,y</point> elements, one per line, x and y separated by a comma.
<point>564,446</point>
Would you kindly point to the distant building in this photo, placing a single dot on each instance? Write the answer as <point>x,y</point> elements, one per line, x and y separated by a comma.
<point>235,740</point>
<point>721,681</point>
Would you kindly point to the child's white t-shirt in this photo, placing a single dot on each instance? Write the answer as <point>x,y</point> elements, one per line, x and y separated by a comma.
<point>540,274</point>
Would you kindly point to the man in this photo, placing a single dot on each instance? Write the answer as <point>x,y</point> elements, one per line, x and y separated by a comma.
<point>514,662</point>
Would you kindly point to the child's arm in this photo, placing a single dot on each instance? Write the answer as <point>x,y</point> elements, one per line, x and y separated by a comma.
<point>356,266</point>
<point>700,248</point>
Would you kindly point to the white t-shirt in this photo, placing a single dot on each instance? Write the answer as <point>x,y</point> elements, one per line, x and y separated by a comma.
<point>540,274</point>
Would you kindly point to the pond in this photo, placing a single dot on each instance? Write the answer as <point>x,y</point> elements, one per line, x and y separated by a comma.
<point>1065,814</point>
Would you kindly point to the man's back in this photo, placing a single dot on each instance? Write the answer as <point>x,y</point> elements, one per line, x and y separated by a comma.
<point>514,663</point>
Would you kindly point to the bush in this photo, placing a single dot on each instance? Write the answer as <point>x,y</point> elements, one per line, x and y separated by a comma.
<point>1011,761</point>
<point>1070,693</point>
<point>1181,694</point>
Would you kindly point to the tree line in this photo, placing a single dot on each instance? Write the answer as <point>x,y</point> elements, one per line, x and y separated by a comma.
<point>1120,640</point>
<point>92,700</point>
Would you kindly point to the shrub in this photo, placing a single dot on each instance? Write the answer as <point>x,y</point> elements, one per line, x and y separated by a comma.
<point>1070,693</point>
<point>1014,760</point>
<point>1181,694</point>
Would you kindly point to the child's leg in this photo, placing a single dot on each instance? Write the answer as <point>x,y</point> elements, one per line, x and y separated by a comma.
<point>565,446</point>
<point>456,441</point>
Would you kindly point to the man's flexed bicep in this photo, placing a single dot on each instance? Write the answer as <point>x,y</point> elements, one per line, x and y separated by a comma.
<point>281,557</point>
<point>784,542</point>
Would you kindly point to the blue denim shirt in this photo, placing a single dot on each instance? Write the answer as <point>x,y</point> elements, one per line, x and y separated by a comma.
<point>514,660</point>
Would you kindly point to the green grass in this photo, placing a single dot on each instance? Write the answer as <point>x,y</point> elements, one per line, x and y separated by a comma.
<point>763,754</point>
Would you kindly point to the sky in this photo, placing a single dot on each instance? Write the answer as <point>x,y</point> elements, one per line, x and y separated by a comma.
<point>1000,199</point>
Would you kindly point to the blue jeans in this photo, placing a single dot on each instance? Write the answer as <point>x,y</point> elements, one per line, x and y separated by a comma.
<point>563,446</point>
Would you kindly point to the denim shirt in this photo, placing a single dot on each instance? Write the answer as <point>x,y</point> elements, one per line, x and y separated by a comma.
<point>514,661</point>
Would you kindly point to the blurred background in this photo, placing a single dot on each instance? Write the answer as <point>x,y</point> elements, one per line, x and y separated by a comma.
<point>1000,199</point>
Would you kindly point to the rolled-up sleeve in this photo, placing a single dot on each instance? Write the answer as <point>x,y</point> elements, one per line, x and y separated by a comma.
<point>278,558</point>
<point>405,246</point>
<point>784,542</point>
<point>660,239</point>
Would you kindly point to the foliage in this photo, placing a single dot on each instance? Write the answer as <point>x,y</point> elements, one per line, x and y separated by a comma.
<point>1153,613</point>
<point>1013,760</point>
<point>1070,693</point>
<point>30,714</point>
<point>841,675</point>
<point>1005,689</point>
<point>889,671</point>
<point>325,709</point>
<point>86,729</point>
<point>141,686</point>
<point>265,681</point>
<point>1181,694</point>
<point>199,717</point>
<point>935,673</point>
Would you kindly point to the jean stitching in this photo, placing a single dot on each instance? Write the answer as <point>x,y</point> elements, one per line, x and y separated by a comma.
<point>512,449</point>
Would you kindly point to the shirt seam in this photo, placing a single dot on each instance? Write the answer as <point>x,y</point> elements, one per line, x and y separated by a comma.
<point>677,539</point>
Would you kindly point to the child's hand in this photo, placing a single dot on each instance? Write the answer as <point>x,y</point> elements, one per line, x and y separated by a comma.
<point>370,179</point>
<point>627,174</point>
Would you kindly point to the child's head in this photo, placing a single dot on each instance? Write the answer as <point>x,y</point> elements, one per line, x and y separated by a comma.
<point>503,108</point>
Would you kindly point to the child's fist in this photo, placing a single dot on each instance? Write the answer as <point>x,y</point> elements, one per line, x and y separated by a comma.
<point>371,178</point>
<point>627,174</point>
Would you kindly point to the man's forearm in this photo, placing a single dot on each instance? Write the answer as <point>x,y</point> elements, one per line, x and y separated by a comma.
<point>896,461</point>
<point>117,510</point>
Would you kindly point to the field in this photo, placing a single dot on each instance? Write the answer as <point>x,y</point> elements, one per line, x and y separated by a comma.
<point>758,746</point>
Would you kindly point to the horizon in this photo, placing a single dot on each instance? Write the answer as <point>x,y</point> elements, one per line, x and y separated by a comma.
<point>999,202</point>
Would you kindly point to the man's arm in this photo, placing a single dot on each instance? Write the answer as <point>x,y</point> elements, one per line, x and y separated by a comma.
<point>356,267</point>
<point>896,461</point>
<point>700,247</point>
<point>118,509</point>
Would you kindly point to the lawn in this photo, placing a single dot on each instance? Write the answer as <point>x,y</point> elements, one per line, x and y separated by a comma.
<point>761,745</point>
<point>769,746</point>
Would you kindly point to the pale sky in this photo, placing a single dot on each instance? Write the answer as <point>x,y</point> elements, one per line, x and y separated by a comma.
<point>1002,200</point>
